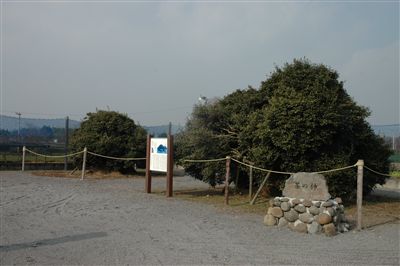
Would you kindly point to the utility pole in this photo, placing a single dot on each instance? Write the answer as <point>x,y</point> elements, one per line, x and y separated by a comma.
<point>393,143</point>
<point>66,143</point>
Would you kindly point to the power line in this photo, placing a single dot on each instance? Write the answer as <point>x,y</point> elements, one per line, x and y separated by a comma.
<point>12,112</point>
<point>392,125</point>
<point>41,114</point>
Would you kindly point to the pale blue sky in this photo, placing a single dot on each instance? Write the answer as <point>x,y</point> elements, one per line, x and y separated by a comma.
<point>153,60</point>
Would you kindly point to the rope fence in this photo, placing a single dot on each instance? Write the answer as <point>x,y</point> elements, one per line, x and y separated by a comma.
<point>262,169</point>
<point>53,156</point>
<point>115,158</point>
<point>376,172</point>
<point>196,161</point>
<point>268,171</point>
<point>335,170</point>
<point>282,172</point>
<point>204,161</point>
<point>80,152</point>
<point>84,152</point>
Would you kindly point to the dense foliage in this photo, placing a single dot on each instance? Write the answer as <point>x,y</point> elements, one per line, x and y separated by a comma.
<point>301,119</point>
<point>112,134</point>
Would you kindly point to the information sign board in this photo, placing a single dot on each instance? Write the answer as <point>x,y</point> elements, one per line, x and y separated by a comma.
<point>158,154</point>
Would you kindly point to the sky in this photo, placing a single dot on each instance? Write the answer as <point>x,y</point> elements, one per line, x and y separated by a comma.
<point>153,59</point>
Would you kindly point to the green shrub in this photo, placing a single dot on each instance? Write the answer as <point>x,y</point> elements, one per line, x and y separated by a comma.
<point>301,119</point>
<point>112,134</point>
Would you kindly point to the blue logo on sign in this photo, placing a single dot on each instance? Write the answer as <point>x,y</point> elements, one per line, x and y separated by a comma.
<point>162,149</point>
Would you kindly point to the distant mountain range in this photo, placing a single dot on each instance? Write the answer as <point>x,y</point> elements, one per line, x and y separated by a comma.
<point>157,130</point>
<point>11,123</point>
<point>387,130</point>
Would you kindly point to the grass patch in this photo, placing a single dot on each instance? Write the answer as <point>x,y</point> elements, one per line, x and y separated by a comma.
<point>376,209</point>
<point>238,202</point>
<point>90,174</point>
<point>29,158</point>
<point>395,174</point>
<point>95,174</point>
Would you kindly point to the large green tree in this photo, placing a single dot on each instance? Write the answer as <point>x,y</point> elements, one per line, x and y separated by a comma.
<point>300,119</point>
<point>112,134</point>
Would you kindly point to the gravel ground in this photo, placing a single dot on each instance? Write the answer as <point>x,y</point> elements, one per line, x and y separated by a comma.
<point>54,221</point>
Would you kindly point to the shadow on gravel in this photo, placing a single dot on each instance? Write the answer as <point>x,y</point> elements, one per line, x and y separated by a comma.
<point>52,241</point>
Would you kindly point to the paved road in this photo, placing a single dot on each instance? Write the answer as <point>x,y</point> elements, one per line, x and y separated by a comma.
<point>54,221</point>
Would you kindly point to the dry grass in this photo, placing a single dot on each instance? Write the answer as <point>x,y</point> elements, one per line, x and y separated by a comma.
<point>376,210</point>
<point>238,201</point>
<point>88,175</point>
<point>395,174</point>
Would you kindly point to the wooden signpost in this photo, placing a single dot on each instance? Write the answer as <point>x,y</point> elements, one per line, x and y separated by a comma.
<point>159,157</point>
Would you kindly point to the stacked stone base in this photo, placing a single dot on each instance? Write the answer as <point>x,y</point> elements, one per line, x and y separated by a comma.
<point>306,216</point>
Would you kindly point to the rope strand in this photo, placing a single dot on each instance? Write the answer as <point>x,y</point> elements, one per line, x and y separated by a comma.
<point>115,158</point>
<point>204,161</point>
<point>53,156</point>
<point>80,152</point>
<point>376,172</point>
<point>262,169</point>
<point>334,170</point>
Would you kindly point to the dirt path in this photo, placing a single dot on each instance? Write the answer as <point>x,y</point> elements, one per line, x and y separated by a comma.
<point>53,221</point>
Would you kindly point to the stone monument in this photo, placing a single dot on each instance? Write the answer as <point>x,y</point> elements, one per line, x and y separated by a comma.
<point>307,186</point>
<point>307,207</point>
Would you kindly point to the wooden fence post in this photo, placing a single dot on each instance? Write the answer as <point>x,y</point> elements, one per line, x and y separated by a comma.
<point>251,182</point>
<point>360,170</point>
<point>84,163</point>
<point>170,165</point>
<point>147,183</point>
<point>23,158</point>
<point>227,175</point>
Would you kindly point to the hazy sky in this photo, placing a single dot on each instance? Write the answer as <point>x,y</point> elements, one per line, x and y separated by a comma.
<point>153,60</point>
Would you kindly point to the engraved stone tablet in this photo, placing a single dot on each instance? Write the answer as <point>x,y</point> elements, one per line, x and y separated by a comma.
<point>306,186</point>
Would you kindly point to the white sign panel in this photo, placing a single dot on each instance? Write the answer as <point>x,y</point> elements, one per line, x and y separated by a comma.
<point>158,154</point>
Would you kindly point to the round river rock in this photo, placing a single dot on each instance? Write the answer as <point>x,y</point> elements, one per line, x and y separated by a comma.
<point>313,210</point>
<point>300,208</point>
<point>330,229</point>
<point>291,215</point>
<point>276,212</point>
<point>282,222</point>
<point>324,218</point>
<point>285,206</point>
<point>306,218</point>
<point>307,203</point>
<point>301,227</point>
<point>269,220</point>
